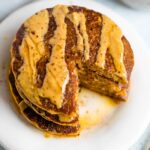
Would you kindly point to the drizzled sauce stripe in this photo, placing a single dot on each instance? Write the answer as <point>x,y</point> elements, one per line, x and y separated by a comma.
<point>41,64</point>
<point>111,39</point>
<point>79,21</point>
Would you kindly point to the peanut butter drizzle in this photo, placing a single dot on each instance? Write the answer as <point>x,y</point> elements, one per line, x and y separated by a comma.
<point>32,49</point>
<point>111,40</point>
<point>57,75</point>
<point>57,66</point>
<point>79,21</point>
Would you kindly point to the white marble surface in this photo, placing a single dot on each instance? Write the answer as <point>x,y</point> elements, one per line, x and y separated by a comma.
<point>139,19</point>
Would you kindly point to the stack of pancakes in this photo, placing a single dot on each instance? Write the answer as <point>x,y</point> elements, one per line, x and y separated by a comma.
<point>58,50</point>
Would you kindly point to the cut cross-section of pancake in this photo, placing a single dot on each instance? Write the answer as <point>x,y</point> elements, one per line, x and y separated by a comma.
<point>61,48</point>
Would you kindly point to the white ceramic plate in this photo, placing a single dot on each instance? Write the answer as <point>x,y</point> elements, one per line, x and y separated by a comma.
<point>119,133</point>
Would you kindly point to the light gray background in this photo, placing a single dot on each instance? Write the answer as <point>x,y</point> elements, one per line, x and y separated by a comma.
<point>139,19</point>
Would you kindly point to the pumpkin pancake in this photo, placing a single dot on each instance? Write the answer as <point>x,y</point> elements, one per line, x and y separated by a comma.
<point>60,49</point>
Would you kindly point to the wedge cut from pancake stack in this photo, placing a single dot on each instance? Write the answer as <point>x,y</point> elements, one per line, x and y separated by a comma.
<point>58,50</point>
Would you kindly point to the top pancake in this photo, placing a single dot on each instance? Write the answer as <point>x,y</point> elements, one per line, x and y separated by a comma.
<point>51,44</point>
